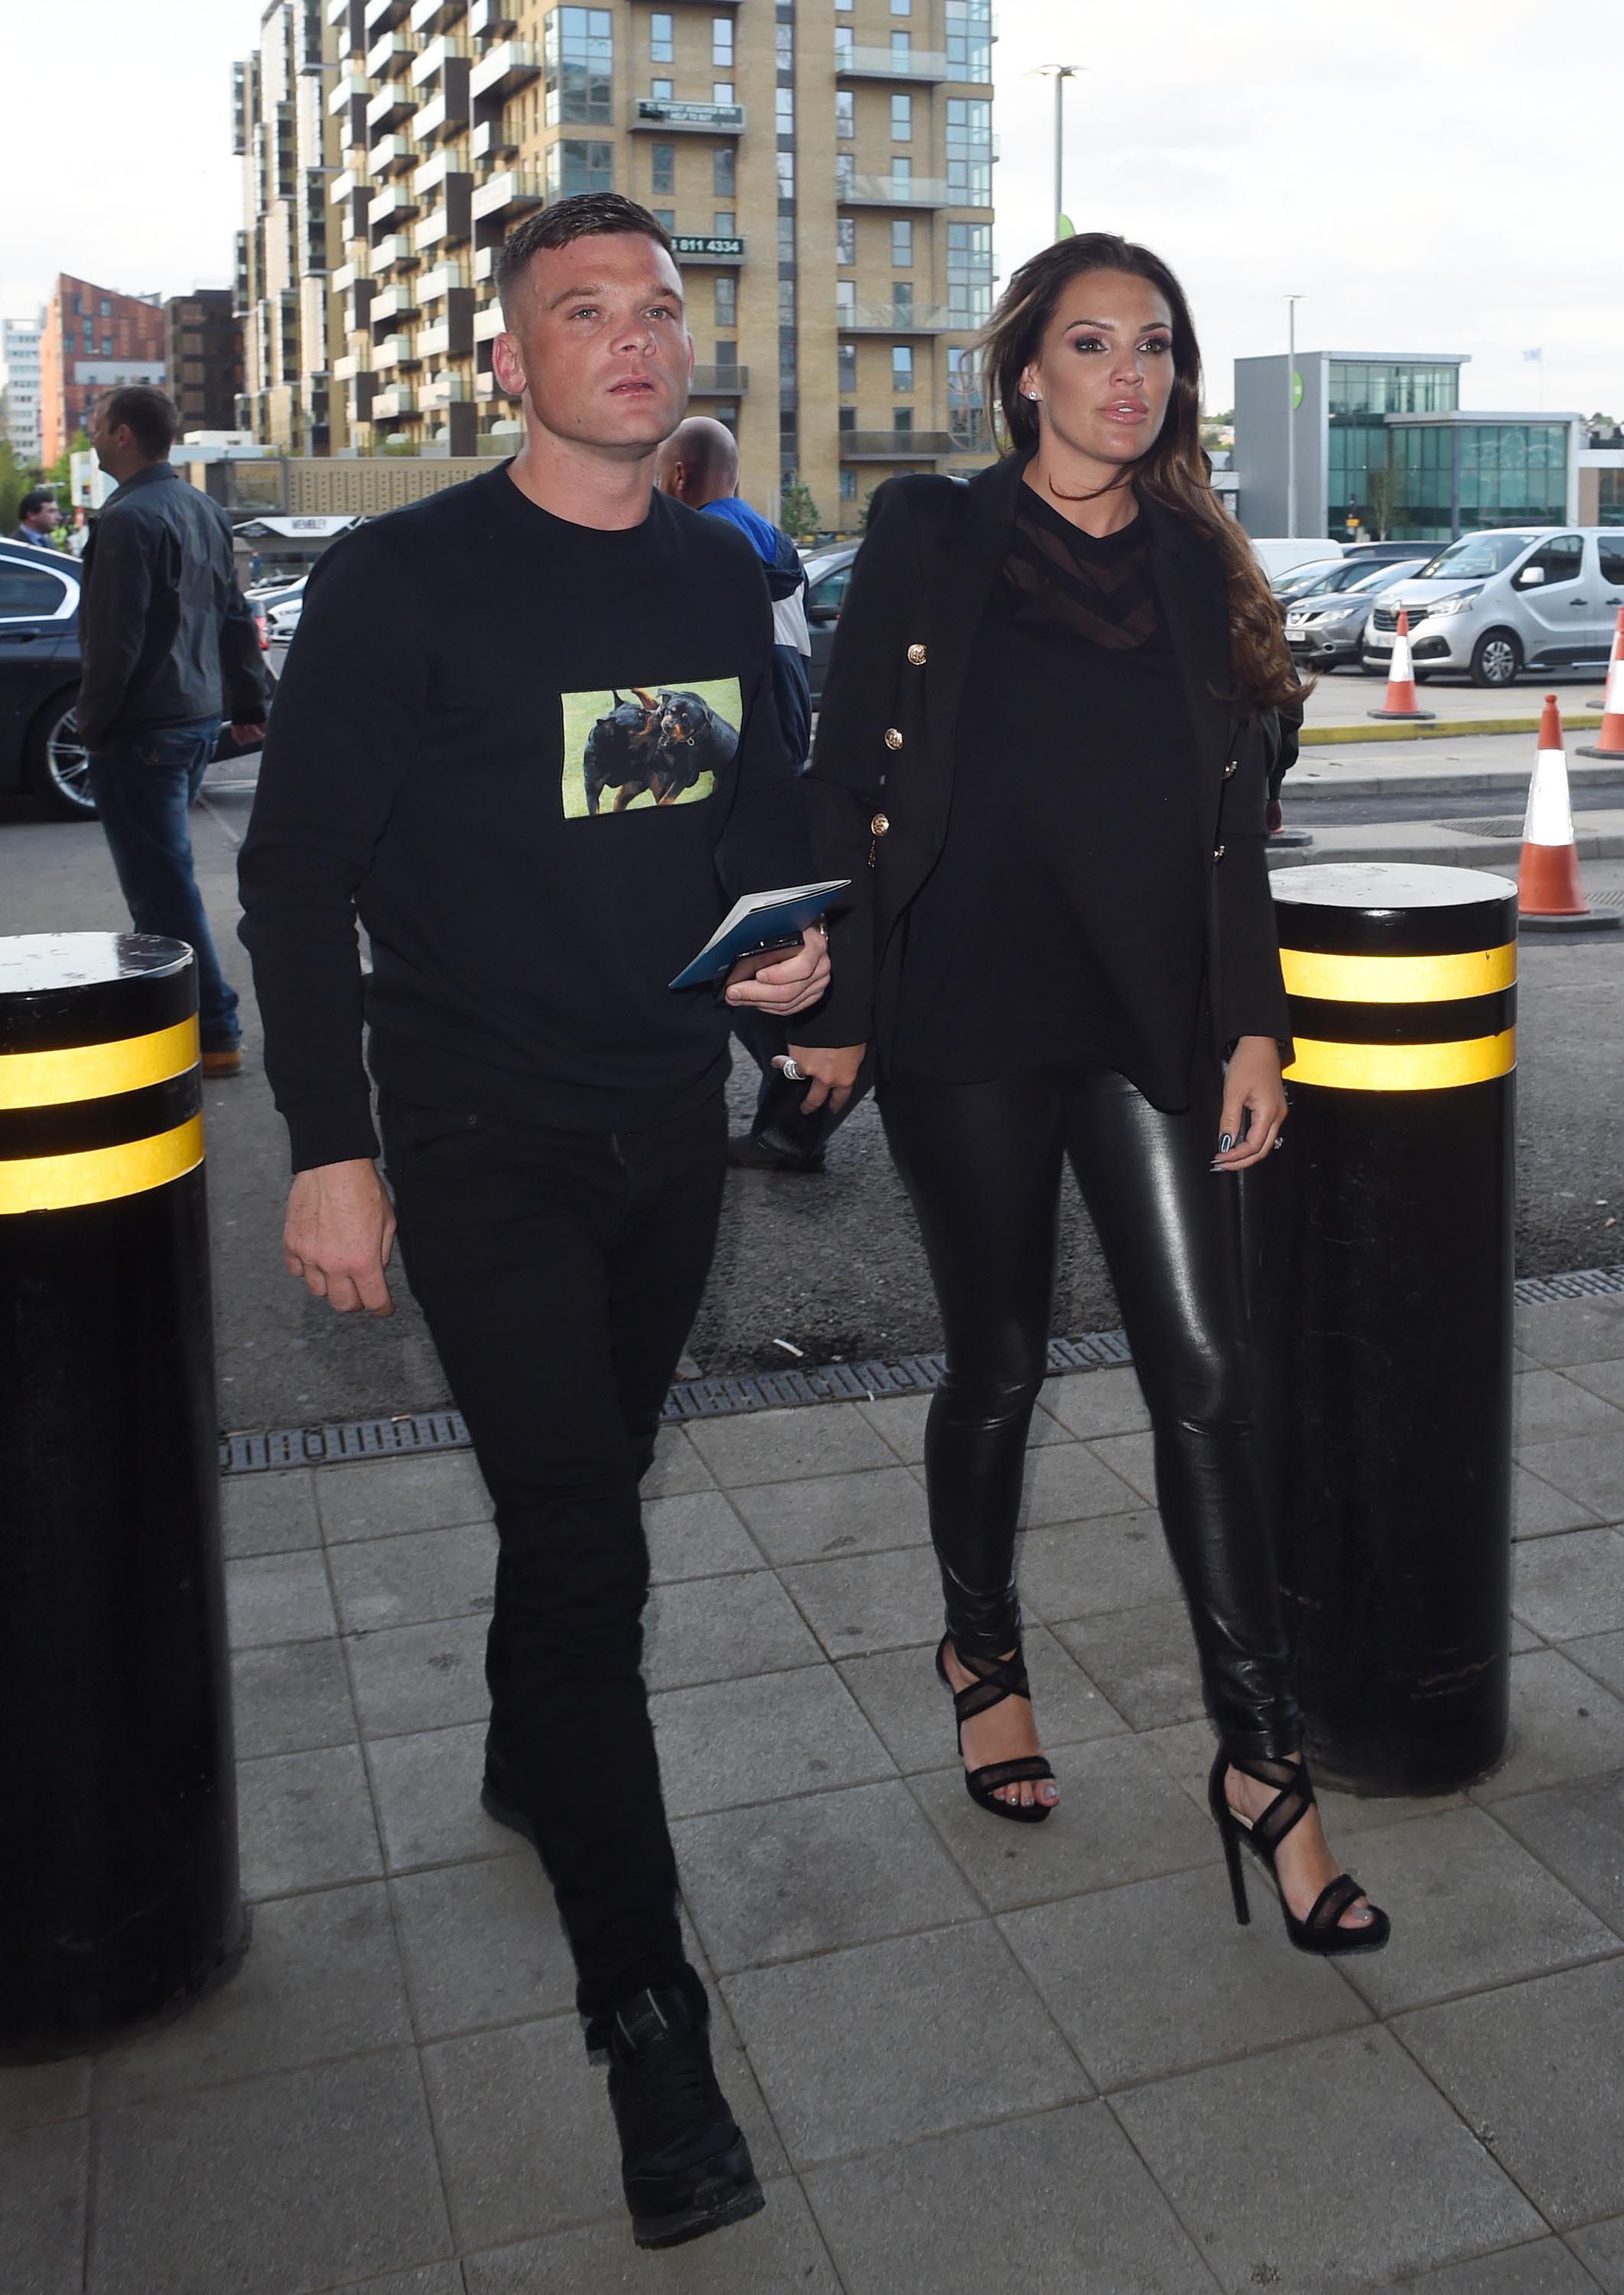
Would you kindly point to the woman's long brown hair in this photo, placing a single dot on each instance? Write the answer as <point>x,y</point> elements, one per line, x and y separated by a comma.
<point>1173,471</point>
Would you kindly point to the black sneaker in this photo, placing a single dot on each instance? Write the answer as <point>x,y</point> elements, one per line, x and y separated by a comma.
<point>685,2166</point>
<point>746,1152</point>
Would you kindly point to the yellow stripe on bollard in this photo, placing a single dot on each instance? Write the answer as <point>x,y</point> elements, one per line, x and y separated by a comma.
<point>1403,1067</point>
<point>1399,979</point>
<point>97,1175</point>
<point>97,1071</point>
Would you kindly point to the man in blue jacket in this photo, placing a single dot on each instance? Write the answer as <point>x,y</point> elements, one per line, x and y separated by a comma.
<point>698,464</point>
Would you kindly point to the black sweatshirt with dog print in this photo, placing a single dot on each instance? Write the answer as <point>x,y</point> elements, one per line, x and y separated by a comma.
<point>539,760</point>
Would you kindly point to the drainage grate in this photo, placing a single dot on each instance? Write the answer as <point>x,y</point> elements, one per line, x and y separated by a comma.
<point>771,1390</point>
<point>1606,899</point>
<point>1506,826</point>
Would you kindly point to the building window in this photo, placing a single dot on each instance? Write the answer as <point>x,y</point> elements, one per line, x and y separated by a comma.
<point>579,57</point>
<point>668,215</point>
<point>901,7</point>
<point>724,223</point>
<point>721,41</point>
<point>845,302</point>
<point>966,422</point>
<point>661,50</point>
<point>846,418</point>
<point>844,40</point>
<point>845,175</point>
<point>901,120</point>
<point>786,239</point>
<point>784,109</point>
<point>902,169</point>
<point>969,39</point>
<point>721,91</point>
<point>902,246</point>
<point>970,274</point>
<point>902,367</point>
<point>665,159</point>
<point>846,358</point>
<point>845,114</point>
<point>969,152</point>
<point>727,300</point>
<point>901,422</point>
<point>902,302</point>
<point>784,46</point>
<point>107,308</point>
<point>661,90</point>
<point>787,174</point>
<point>572,167</point>
<point>1609,511</point>
<point>787,302</point>
<point>845,239</point>
<point>107,347</point>
<point>723,171</point>
<point>848,483</point>
<point>901,49</point>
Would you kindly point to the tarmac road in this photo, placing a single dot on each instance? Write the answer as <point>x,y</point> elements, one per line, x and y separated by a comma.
<point>830,1264</point>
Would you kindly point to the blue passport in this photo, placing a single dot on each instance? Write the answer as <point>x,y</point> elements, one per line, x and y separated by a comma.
<point>758,921</point>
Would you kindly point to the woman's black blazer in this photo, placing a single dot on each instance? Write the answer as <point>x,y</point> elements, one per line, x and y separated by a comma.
<point>880,783</point>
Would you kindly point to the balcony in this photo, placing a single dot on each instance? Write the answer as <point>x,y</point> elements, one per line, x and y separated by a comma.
<point>391,207</point>
<point>492,20</point>
<point>393,251</point>
<point>651,115</point>
<point>917,64</point>
<point>391,57</point>
<point>392,155</point>
<point>451,337</point>
<point>483,265</point>
<point>391,108</point>
<point>492,144</point>
<point>442,280</point>
<point>450,223</point>
<point>429,67</point>
<point>502,70</point>
<point>348,276</point>
<point>393,304</point>
<point>719,382</point>
<point>395,351</point>
<point>383,15</point>
<point>432,16</point>
<point>892,191</point>
<point>445,117</point>
<point>353,87</point>
<point>358,399</point>
<point>514,192</point>
<point>893,445</point>
<point>357,310</point>
<point>488,323</point>
<point>347,369</point>
<point>444,390</point>
<point>390,406</point>
<point>342,185</point>
<point>893,319</point>
<point>690,251</point>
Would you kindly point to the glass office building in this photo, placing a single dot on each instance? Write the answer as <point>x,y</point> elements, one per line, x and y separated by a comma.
<point>1414,479</point>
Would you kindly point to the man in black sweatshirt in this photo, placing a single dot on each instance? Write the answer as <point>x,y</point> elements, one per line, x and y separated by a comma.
<point>526,733</point>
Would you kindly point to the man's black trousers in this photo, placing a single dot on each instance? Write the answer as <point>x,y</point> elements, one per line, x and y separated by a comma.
<point>559,1272</point>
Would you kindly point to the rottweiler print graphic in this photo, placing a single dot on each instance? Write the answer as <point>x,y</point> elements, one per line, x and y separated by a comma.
<point>640,747</point>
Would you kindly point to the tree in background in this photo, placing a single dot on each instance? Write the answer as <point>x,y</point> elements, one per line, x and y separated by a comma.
<point>798,513</point>
<point>1378,486</point>
<point>60,473</point>
<point>15,481</point>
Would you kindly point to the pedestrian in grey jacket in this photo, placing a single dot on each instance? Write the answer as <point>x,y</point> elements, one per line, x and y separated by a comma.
<point>168,646</point>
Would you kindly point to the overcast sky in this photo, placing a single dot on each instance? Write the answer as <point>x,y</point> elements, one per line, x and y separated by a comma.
<point>1443,180</point>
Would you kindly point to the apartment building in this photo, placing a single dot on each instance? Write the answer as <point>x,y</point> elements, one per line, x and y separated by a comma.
<point>203,358</point>
<point>20,386</point>
<point>824,165</point>
<point>93,338</point>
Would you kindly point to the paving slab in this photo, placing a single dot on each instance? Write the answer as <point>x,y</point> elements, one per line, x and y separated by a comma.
<point>304,1821</point>
<point>1078,1569</point>
<point>734,1741</point>
<point>34,2095</point>
<point>1588,1468</point>
<point>1605,1379</point>
<point>1158,1977</point>
<point>300,2179</point>
<point>1071,1481</point>
<point>1076,2214</point>
<point>412,1678</point>
<point>1602,1655</point>
<point>1564,1725</point>
<point>1538,1510</point>
<point>278,1598</point>
<point>291,1698</point>
<point>1572,1585</point>
<point>1547,1405</point>
<point>718,1628</point>
<point>1144,1660</point>
<point>913,1714</point>
<point>1567,1332</point>
<point>1091,1403</point>
<point>44,2173</point>
<point>1276,2194</point>
<point>786,1446</point>
<point>1601,2248</point>
<point>428,1789</point>
<point>900,1419</point>
<point>824,1871</point>
<point>1533,2068</point>
<point>414,1578</point>
<point>269,1513</point>
<point>695,1534</point>
<point>380,1498</point>
<point>868,1602</point>
<point>834,1514</point>
<point>433,2279</point>
<point>891,2041</point>
<point>322,1978</point>
<point>1577,1831</point>
<point>1470,1907</point>
<point>780,2248</point>
<point>678,1469</point>
<point>1121,1818</point>
<point>1541,2267</point>
<point>482,1945</point>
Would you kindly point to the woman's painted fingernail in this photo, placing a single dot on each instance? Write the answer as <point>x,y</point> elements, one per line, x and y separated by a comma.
<point>1225,1143</point>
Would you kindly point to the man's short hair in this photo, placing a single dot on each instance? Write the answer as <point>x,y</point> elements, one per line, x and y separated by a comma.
<point>588,214</point>
<point>40,498</point>
<point>152,419</point>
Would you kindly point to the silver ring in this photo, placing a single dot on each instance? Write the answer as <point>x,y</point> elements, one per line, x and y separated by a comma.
<point>1279,1139</point>
<point>791,1073</point>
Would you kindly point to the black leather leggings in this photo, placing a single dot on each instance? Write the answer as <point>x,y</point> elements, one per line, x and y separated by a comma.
<point>982,1162</point>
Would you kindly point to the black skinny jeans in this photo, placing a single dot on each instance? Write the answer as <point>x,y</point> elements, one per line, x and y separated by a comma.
<point>982,1162</point>
<point>559,1272</point>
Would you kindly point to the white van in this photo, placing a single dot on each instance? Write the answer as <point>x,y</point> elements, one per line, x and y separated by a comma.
<point>1506,599</point>
<point>1277,553</point>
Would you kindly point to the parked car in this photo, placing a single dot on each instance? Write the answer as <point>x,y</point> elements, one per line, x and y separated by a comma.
<point>829,574</point>
<point>1497,602</point>
<point>1276,554</point>
<point>1326,628</point>
<point>1320,578</point>
<point>40,749</point>
<point>1387,553</point>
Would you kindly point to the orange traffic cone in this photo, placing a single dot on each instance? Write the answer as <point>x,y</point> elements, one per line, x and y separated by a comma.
<point>1610,741</point>
<point>1550,897</point>
<point>1400,700</point>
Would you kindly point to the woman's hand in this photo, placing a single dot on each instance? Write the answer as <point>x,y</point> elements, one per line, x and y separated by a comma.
<point>1251,1089</point>
<point>831,1072</point>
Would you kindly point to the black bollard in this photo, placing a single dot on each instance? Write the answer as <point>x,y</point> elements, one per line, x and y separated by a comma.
<point>118,1888</point>
<point>1383,1241</point>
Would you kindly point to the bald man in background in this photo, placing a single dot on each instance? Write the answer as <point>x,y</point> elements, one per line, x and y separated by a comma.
<point>698,464</point>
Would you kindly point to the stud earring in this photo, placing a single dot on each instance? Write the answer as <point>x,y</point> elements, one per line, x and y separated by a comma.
<point>1032,394</point>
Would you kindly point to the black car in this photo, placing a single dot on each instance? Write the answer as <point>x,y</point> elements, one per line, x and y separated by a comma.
<point>40,749</point>
<point>828,575</point>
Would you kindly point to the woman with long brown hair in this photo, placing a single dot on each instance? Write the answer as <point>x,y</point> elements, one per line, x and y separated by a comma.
<point>1054,706</point>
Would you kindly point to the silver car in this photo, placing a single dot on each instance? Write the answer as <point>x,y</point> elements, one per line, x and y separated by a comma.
<point>1327,629</point>
<point>1496,603</point>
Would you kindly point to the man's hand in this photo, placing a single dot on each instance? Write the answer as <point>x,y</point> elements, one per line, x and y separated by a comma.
<point>831,1072</point>
<point>249,737</point>
<point>792,986</point>
<point>338,1233</point>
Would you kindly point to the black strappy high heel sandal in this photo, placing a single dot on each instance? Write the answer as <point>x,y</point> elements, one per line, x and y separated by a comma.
<point>1321,1932</point>
<point>996,1678</point>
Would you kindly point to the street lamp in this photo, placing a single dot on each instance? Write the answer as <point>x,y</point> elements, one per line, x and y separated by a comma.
<point>1292,302</point>
<point>1059,74</point>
